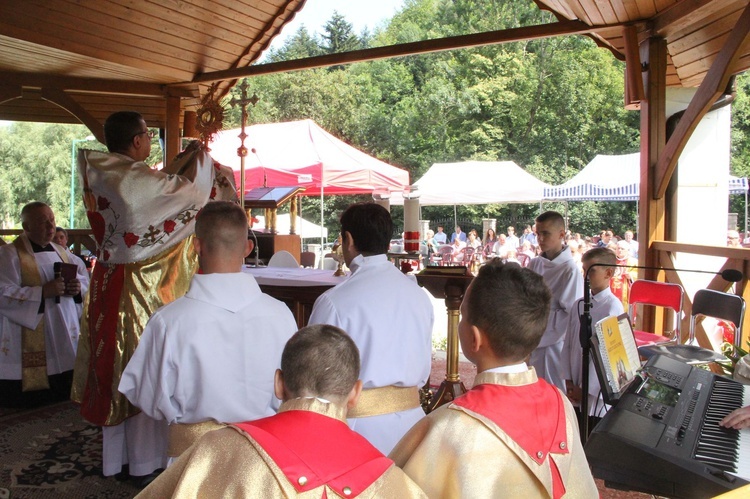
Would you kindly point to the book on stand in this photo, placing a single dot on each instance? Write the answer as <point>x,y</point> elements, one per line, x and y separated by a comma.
<point>615,355</point>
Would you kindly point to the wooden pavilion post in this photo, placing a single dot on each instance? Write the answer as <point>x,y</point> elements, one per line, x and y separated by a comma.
<point>172,130</point>
<point>651,211</point>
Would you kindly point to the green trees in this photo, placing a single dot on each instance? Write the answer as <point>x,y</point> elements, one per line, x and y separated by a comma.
<point>549,105</point>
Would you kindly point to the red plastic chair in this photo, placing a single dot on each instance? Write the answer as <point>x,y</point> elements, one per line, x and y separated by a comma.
<point>468,255</point>
<point>523,259</point>
<point>446,254</point>
<point>656,294</point>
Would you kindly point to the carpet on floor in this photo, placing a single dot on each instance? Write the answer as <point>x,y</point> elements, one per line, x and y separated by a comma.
<point>52,452</point>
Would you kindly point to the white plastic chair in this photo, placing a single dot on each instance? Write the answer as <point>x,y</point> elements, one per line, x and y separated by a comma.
<point>283,259</point>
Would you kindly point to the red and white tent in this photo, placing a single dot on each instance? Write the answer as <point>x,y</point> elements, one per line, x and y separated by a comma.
<point>302,153</point>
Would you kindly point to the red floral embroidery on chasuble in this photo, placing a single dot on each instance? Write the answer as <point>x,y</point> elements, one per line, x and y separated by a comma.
<point>96,220</point>
<point>532,415</point>
<point>321,449</point>
<point>107,282</point>
<point>169,226</point>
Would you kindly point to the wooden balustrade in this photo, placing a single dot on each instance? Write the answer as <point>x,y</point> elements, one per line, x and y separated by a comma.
<point>77,238</point>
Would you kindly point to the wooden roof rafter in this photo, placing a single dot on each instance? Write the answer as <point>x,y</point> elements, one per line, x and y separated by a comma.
<point>711,88</point>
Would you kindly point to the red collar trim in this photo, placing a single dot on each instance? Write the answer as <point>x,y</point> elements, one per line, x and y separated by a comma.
<point>314,450</point>
<point>532,415</point>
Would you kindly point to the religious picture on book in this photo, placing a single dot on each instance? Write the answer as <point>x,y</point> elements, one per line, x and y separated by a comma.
<point>617,350</point>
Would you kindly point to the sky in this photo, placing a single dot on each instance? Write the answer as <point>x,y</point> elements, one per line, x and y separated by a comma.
<point>360,13</point>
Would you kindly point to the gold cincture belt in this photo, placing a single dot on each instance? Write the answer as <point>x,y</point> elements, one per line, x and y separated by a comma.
<point>182,436</point>
<point>385,400</point>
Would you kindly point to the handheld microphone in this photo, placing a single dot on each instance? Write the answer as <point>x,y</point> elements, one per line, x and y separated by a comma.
<point>729,275</point>
<point>57,268</point>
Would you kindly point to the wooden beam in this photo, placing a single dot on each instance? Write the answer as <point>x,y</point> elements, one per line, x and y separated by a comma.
<point>651,212</point>
<point>94,85</point>
<point>10,92</point>
<point>404,49</point>
<point>65,101</point>
<point>712,87</point>
<point>633,76</point>
<point>172,130</point>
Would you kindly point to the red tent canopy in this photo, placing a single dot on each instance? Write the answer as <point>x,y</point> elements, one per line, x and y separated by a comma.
<point>302,153</point>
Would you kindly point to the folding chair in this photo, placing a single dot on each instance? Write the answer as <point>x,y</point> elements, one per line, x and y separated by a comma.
<point>706,303</point>
<point>656,294</point>
<point>725,306</point>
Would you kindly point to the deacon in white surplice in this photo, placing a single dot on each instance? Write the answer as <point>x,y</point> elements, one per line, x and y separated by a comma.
<point>390,319</point>
<point>210,356</point>
<point>39,313</point>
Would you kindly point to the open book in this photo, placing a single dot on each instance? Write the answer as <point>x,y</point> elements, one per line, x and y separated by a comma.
<point>615,355</point>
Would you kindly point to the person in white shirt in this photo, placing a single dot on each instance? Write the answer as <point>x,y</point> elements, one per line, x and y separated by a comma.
<point>632,242</point>
<point>559,270</point>
<point>603,304</point>
<point>211,355</point>
<point>39,313</point>
<point>512,239</point>
<point>390,319</point>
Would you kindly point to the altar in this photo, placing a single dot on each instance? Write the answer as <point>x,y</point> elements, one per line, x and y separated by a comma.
<point>298,288</point>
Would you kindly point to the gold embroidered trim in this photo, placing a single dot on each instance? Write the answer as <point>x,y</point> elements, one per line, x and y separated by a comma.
<point>385,400</point>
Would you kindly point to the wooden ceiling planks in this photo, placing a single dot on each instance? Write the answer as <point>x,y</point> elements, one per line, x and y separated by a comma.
<point>694,29</point>
<point>145,42</point>
<point>171,43</point>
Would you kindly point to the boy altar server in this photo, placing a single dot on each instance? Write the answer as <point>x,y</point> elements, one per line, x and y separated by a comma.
<point>513,434</point>
<point>563,277</point>
<point>211,355</point>
<point>390,318</point>
<point>603,304</point>
<point>306,449</point>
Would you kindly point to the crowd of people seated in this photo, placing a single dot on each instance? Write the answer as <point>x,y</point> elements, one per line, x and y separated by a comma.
<point>509,247</point>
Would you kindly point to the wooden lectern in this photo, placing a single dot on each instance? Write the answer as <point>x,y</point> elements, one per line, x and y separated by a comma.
<point>269,240</point>
<point>449,283</point>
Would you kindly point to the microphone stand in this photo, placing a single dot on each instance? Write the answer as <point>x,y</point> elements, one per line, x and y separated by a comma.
<point>256,249</point>
<point>585,339</point>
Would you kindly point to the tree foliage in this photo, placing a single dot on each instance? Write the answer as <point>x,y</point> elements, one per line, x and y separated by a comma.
<point>549,105</point>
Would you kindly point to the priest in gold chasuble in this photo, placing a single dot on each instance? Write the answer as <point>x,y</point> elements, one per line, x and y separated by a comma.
<point>143,221</point>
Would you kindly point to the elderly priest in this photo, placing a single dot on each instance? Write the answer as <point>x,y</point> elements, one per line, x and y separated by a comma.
<point>40,312</point>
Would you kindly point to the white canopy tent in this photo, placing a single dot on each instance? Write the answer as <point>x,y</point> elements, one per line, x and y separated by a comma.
<point>305,228</point>
<point>475,182</point>
<point>617,178</point>
<point>613,178</point>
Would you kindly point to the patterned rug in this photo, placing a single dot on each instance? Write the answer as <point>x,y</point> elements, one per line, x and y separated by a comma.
<point>52,452</point>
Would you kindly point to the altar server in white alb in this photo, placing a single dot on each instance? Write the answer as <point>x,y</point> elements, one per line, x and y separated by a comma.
<point>561,274</point>
<point>39,313</point>
<point>390,319</point>
<point>210,356</point>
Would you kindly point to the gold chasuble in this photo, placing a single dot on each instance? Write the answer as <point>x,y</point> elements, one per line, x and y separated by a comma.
<point>33,350</point>
<point>143,221</point>
<point>305,451</point>
<point>120,301</point>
